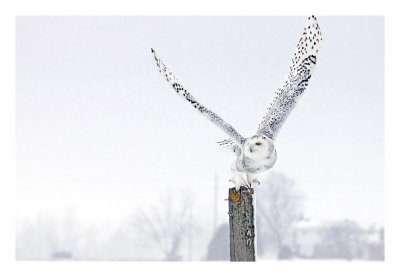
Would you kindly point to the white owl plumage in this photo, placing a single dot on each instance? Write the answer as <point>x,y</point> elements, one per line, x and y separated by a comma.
<point>257,153</point>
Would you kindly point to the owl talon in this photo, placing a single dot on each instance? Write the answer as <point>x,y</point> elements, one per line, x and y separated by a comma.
<point>238,181</point>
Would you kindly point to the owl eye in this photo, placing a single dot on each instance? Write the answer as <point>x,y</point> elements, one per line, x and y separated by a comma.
<point>258,143</point>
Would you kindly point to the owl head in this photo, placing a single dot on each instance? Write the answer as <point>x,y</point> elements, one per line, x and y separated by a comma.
<point>260,147</point>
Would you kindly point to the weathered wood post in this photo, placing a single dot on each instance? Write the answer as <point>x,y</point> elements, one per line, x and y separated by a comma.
<point>241,225</point>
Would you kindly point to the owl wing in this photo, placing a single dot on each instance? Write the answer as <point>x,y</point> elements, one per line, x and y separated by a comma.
<point>181,91</point>
<point>228,144</point>
<point>296,82</point>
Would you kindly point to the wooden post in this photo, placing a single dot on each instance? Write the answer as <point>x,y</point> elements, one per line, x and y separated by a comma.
<point>241,225</point>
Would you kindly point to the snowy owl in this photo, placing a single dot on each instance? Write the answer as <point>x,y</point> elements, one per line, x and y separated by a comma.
<point>257,154</point>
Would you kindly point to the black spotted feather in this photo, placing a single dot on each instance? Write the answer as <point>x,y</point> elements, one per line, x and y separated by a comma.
<point>181,91</point>
<point>296,82</point>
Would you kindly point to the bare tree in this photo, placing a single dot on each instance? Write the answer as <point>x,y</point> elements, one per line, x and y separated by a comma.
<point>279,206</point>
<point>166,225</point>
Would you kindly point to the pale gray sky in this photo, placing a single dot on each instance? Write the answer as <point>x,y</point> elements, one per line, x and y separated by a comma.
<point>97,125</point>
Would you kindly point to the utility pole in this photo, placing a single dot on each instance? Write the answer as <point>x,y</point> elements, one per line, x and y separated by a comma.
<point>215,223</point>
<point>190,244</point>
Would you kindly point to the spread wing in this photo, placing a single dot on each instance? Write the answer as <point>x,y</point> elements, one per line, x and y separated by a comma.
<point>181,91</point>
<point>296,82</point>
<point>229,144</point>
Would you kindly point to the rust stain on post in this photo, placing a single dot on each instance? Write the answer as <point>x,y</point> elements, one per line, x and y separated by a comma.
<point>235,196</point>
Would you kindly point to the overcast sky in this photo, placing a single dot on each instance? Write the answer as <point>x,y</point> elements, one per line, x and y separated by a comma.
<point>97,126</point>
